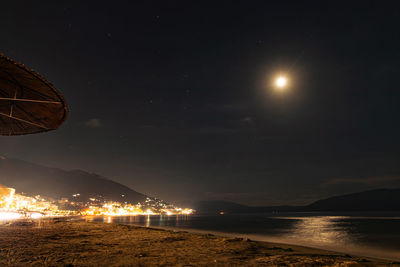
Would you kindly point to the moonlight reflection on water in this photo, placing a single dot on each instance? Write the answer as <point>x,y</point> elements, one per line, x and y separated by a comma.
<point>321,230</point>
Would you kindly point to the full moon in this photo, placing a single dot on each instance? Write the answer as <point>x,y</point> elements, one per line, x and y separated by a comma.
<point>281,82</point>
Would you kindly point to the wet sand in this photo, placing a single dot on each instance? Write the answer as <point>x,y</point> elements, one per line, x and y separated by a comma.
<point>79,243</point>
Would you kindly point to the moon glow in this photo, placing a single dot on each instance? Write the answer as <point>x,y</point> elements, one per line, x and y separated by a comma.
<point>281,82</point>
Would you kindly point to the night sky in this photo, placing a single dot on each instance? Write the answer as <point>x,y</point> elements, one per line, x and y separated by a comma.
<point>174,99</point>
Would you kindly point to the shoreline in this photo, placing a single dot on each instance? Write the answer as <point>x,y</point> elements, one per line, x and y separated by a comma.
<point>354,250</point>
<point>80,243</point>
<point>357,250</point>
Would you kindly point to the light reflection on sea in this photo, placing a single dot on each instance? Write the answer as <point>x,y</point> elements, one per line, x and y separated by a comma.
<point>367,234</point>
<point>321,230</point>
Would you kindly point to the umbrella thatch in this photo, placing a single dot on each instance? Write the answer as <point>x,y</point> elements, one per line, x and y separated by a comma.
<point>28,103</point>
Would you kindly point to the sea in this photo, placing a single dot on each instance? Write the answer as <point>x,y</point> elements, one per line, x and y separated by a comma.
<point>370,234</point>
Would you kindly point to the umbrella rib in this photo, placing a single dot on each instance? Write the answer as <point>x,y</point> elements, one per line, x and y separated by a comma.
<point>15,82</point>
<point>2,91</point>
<point>21,120</point>
<point>30,100</point>
<point>26,113</point>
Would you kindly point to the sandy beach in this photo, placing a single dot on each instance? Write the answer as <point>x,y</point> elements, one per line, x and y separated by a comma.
<point>79,243</point>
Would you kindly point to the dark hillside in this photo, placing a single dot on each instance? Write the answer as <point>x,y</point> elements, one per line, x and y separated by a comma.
<point>34,179</point>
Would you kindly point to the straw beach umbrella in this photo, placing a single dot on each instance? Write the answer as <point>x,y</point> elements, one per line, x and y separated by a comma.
<point>28,102</point>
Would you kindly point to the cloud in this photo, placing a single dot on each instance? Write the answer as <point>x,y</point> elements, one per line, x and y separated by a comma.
<point>376,180</point>
<point>93,123</point>
<point>247,120</point>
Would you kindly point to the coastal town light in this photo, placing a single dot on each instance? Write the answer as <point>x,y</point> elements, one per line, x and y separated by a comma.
<point>5,216</point>
<point>16,206</point>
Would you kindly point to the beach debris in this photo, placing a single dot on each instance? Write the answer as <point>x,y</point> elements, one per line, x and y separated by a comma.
<point>210,236</point>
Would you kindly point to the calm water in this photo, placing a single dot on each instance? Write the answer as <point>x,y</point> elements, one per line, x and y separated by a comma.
<point>368,234</point>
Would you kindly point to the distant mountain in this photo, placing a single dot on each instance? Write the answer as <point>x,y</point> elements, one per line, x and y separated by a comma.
<point>34,179</point>
<point>218,206</point>
<point>373,200</point>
